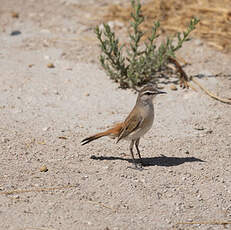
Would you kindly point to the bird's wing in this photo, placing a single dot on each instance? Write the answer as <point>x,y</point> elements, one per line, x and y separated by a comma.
<point>130,125</point>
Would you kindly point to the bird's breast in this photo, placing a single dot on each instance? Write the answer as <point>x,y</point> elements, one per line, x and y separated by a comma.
<point>147,114</point>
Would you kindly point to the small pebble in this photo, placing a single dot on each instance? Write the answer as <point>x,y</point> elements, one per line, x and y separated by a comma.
<point>15,15</point>
<point>198,42</point>
<point>5,140</point>
<point>46,57</point>
<point>84,177</point>
<point>45,31</point>
<point>198,127</point>
<point>44,168</point>
<point>15,32</point>
<point>16,197</point>
<point>173,87</point>
<point>209,131</point>
<point>50,65</point>
<point>46,128</point>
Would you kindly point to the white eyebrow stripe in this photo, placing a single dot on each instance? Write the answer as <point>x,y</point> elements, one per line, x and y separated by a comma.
<point>147,91</point>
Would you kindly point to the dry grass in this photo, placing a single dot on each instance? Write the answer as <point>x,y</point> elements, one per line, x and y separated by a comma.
<point>215,16</point>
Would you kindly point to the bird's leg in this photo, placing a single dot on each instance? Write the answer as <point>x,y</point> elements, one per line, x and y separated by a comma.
<point>138,151</point>
<point>131,151</point>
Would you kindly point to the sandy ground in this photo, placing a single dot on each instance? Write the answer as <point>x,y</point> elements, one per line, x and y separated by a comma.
<point>45,113</point>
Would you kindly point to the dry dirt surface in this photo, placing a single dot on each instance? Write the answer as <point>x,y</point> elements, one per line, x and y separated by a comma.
<point>48,181</point>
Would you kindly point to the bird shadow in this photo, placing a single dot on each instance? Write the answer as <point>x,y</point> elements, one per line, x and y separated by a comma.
<point>152,161</point>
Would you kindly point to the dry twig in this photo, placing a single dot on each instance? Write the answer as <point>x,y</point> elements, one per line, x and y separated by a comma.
<point>37,190</point>
<point>207,222</point>
<point>212,95</point>
<point>184,82</point>
<point>38,228</point>
<point>183,76</point>
<point>52,189</point>
<point>102,205</point>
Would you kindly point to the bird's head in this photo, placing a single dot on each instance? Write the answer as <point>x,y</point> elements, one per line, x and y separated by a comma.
<point>147,93</point>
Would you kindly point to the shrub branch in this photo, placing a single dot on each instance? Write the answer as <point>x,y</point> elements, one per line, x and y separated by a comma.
<point>140,63</point>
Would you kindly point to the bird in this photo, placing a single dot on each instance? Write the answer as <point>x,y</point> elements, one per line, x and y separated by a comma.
<point>138,122</point>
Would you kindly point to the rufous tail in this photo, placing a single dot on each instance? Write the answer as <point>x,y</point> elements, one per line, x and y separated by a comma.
<point>114,132</point>
<point>94,137</point>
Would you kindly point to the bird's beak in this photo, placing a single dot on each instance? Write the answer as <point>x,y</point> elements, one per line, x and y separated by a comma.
<point>161,92</point>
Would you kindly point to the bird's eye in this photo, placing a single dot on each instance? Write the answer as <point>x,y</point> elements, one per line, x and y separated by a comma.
<point>148,93</point>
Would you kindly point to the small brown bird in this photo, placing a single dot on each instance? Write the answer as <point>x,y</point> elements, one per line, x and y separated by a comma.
<point>138,122</point>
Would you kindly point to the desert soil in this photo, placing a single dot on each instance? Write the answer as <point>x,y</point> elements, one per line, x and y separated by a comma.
<point>46,112</point>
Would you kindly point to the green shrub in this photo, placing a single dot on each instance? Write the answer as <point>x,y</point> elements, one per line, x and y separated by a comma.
<point>140,63</point>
